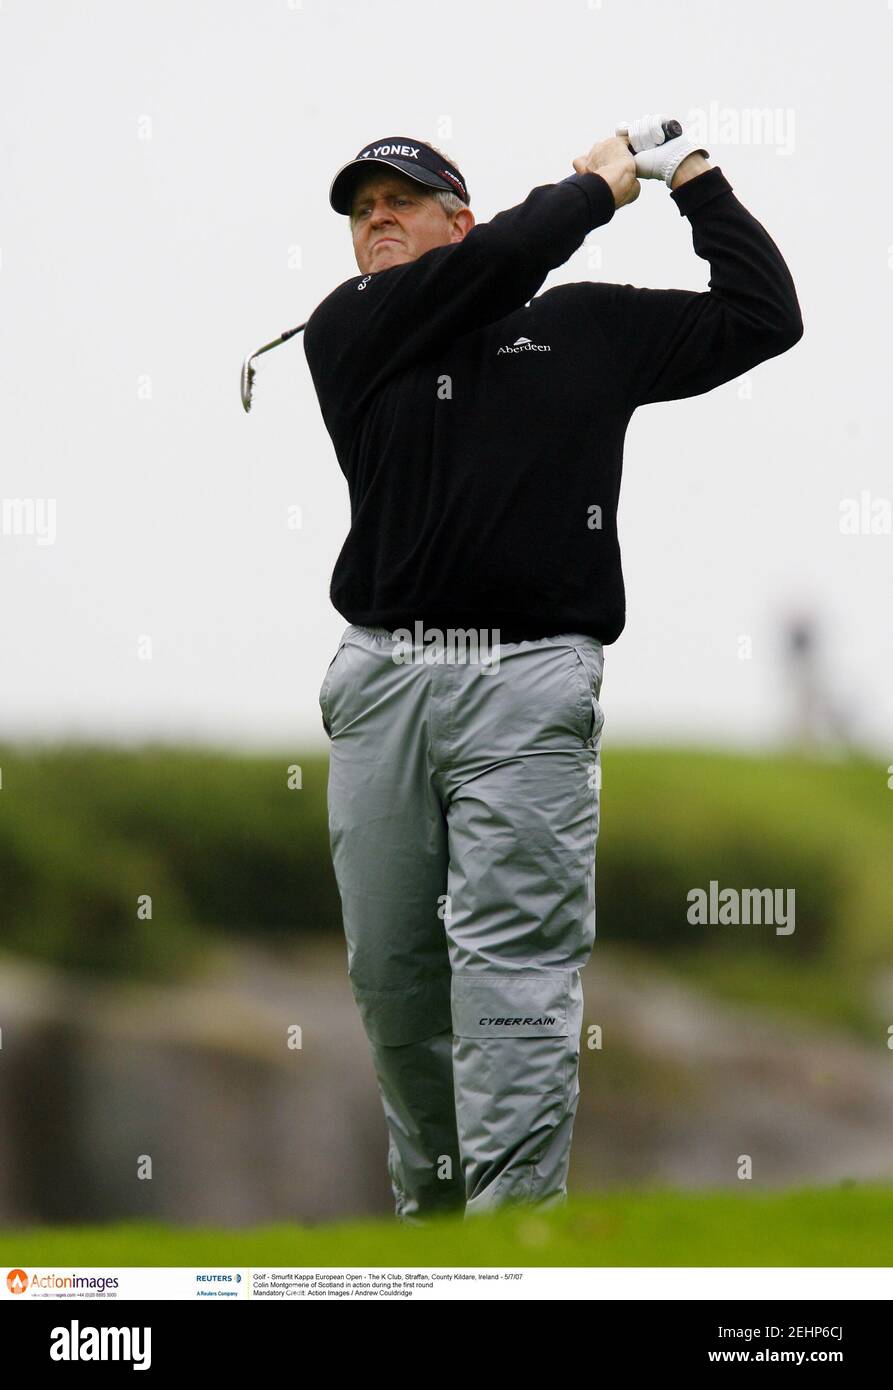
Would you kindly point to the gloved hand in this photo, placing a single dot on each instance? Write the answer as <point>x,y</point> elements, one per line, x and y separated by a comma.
<point>655,156</point>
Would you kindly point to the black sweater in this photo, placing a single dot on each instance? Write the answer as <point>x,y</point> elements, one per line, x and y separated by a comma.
<point>481,435</point>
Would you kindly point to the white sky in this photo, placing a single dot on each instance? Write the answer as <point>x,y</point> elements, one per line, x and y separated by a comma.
<point>169,258</point>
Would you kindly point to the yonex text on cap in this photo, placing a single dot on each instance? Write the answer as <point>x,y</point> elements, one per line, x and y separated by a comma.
<point>411,157</point>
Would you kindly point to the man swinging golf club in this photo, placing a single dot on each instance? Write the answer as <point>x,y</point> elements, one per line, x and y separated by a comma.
<point>480,427</point>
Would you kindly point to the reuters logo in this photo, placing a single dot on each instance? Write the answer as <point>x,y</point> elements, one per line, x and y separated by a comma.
<point>17,1281</point>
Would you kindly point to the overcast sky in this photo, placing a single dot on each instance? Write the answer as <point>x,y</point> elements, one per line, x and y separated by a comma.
<point>165,175</point>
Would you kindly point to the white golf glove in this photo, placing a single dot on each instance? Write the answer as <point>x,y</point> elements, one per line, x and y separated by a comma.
<point>656,157</point>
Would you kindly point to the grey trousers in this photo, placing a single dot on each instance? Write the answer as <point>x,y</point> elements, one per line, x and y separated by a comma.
<point>463,808</point>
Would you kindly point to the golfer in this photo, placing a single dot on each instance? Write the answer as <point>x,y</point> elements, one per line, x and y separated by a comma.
<point>480,427</point>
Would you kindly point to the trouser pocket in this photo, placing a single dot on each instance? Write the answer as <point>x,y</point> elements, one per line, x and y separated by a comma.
<point>590,669</point>
<point>325,690</point>
<point>512,1003</point>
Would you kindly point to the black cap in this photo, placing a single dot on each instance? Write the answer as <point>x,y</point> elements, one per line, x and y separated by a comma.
<point>411,157</point>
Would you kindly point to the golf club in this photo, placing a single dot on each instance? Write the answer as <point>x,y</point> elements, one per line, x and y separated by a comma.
<point>246,380</point>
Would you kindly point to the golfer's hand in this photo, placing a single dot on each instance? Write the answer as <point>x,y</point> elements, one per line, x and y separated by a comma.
<point>659,158</point>
<point>612,159</point>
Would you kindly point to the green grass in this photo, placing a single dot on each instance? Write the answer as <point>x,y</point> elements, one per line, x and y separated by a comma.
<point>850,1225</point>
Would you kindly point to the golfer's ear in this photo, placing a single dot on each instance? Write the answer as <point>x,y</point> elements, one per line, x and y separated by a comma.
<point>464,221</point>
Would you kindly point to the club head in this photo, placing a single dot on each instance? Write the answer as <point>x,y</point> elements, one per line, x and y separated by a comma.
<point>246,382</point>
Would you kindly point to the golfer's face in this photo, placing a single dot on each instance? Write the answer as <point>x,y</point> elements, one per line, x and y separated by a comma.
<point>393,222</point>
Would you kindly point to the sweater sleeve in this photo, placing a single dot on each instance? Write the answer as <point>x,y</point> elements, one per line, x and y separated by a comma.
<point>669,344</point>
<point>374,326</point>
